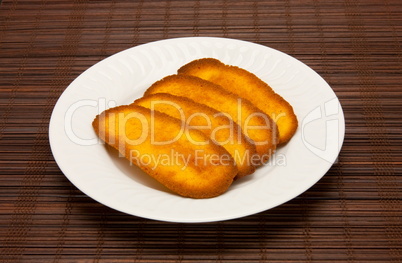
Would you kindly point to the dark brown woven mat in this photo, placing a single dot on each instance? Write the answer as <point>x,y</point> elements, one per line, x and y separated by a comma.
<point>352,215</point>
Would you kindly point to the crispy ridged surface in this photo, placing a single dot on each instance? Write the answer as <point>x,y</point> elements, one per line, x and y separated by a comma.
<point>255,124</point>
<point>248,86</point>
<point>219,128</point>
<point>187,168</point>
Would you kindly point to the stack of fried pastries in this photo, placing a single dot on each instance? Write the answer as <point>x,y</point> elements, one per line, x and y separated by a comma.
<point>198,131</point>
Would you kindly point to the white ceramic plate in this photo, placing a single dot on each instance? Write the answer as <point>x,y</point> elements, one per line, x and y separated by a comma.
<point>123,77</point>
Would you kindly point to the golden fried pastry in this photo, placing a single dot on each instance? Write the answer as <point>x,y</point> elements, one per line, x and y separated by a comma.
<point>159,144</point>
<point>221,129</point>
<point>250,87</point>
<point>256,125</point>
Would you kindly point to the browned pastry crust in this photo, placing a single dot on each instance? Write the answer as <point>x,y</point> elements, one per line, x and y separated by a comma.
<point>220,129</point>
<point>254,123</point>
<point>199,171</point>
<point>248,86</point>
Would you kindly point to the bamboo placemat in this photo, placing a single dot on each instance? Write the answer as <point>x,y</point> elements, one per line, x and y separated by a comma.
<point>353,214</point>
